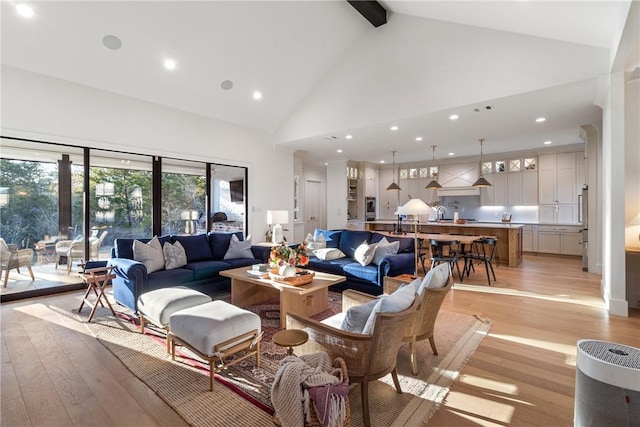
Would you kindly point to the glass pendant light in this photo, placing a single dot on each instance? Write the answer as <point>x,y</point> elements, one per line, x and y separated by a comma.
<point>433,185</point>
<point>481,182</point>
<point>393,185</point>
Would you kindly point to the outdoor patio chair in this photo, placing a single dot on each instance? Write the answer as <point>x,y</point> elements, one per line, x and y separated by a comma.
<point>12,257</point>
<point>74,249</point>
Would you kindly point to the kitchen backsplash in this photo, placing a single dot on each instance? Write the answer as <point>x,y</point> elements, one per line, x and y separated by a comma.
<point>469,207</point>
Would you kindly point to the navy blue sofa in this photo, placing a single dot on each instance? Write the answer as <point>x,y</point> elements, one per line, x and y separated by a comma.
<point>367,278</point>
<point>205,260</point>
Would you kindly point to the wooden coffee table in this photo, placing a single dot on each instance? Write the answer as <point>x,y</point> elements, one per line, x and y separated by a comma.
<point>305,300</point>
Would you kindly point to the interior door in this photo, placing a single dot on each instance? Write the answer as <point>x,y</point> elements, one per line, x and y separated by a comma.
<point>312,206</point>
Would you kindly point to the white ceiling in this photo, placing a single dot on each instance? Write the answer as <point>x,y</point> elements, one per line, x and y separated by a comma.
<point>325,71</point>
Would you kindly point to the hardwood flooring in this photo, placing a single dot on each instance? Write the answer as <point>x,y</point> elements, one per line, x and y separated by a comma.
<point>54,373</point>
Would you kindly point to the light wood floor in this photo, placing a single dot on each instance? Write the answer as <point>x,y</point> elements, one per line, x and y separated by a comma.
<point>54,373</point>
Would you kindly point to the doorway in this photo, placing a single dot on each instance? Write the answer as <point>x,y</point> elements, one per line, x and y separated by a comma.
<point>313,206</point>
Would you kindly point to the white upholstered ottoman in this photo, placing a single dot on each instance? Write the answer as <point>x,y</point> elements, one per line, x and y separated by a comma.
<point>216,330</point>
<point>157,306</point>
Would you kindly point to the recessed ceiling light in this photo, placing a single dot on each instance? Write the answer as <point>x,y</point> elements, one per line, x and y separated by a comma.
<point>226,84</point>
<point>111,42</point>
<point>381,161</point>
<point>540,119</point>
<point>419,138</point>
<point>547,142</point>
<point>453,117</point>
<point>25,10</point>
<point>451,154</point>
<point>394,127</point>
<point>326,164</point>
<point>339,151</point>
<point>257,95</point>
<point>169,64</point>
<point>349,136</point>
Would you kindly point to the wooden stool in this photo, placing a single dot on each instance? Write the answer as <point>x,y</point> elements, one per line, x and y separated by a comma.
<point>97,279</point>
<point>290,338</point>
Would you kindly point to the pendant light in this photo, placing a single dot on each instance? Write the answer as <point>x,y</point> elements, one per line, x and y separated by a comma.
<point>433,185</point>
<point>393,185</point>
<point>481,182</point>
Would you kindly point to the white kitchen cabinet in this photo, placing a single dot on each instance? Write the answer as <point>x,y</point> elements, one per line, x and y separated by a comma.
<point>530,188</point>
<point>565,240</point>
<point>370,182</point>
<point>527,238</point>
<point>388,199</point>
<point>497,194</point>
<point>558,187</point>
<point>514,189</point>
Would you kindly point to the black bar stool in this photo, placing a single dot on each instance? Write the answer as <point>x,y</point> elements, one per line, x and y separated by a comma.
<point>483,251</point>
<point>445,251</point>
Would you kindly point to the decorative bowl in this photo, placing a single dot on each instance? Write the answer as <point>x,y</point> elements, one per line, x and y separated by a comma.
<point>302,277</point>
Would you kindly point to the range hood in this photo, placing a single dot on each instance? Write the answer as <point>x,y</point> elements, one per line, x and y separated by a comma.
<point>458,191</point>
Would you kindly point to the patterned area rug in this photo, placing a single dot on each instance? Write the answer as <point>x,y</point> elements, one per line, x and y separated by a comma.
<point>241,394</point>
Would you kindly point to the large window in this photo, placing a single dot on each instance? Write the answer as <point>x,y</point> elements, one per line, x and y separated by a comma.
<point>67,212</point>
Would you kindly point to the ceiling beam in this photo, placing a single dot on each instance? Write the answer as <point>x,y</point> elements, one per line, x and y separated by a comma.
<point>372,10</point>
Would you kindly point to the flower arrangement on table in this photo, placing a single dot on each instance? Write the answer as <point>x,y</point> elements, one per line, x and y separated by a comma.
<point>283,256</point>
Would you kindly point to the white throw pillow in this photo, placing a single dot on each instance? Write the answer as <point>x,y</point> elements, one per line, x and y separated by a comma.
<point>364,253</point>
<point>437,277</point>
<point>328,254</point>
<point>398,301</point>
<point>239,248</point>
<point>385,248</point>
<point>150,254</point>
<point>174,255</point>
<point>312,245</point>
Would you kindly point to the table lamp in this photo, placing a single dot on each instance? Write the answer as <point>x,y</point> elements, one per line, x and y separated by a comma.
<point>415,207</point>
<point>276,218</point>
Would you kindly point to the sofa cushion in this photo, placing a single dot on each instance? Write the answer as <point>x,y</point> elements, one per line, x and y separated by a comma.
<point>241,262</point>
<point>123,247</point>
<point>239,249</point>
<point>219,243</point>
<point>196,247</point>
<point>328,254</point>
<point>164,278</point>
<point>335,266</point>
<point>364,253</point>
<point>351,239</point>
<point>150,254</point>
<point>366,272</point>
<point>207,269</point>
<point>406,244</point>
<point>174,255</point>
<point>384,248</point>
<point>331,237</point>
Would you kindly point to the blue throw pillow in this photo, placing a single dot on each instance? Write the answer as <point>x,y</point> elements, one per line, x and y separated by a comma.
<point>331,237</point>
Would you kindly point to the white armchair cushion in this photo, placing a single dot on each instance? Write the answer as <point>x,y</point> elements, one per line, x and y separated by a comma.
<point>437,277</point>
<point>398,301</point>
<point>356,317</point>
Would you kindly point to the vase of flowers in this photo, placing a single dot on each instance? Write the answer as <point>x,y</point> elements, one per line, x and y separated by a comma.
<point>287,258</point>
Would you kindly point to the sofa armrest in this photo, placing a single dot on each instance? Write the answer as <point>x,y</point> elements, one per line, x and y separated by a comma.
<point>130,282</point>
<point>395,265</point>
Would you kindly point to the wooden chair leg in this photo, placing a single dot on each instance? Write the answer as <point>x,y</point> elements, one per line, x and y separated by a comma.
<point>31,273</point>
<point>364,391</point>
<point>394,375</point>
<point>6,278</point>
<point>433,345</point>
<point>414,357</point>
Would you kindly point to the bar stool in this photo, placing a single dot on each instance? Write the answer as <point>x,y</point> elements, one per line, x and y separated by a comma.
<point>483,251</point>
<point>445,251</point>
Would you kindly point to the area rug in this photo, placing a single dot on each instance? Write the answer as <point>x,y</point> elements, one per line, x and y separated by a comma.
<point>241,394</point>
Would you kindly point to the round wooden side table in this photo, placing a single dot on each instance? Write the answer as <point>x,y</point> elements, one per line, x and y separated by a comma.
<point>290,338</point>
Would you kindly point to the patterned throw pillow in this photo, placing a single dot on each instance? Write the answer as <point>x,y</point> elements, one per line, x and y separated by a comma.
<point>174,255</point>
<point>150,254</point>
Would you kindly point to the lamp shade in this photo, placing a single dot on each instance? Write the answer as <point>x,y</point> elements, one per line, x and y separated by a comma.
<point>415,207</point>
<point>481,182</point>
<point>278,217</point>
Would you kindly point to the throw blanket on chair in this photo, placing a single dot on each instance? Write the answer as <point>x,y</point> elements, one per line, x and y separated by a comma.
<point>290,390</point>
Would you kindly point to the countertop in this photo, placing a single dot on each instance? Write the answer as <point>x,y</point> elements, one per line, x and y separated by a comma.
<point>473,224</point>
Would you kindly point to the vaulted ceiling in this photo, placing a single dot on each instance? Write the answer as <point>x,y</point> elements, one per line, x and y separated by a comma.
<point>325,72</point>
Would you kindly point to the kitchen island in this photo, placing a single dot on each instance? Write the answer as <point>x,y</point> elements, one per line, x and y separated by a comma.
<point>509,235</point>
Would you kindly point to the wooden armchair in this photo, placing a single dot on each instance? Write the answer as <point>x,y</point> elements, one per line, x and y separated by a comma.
<point>11,257</point>
<point>368,357</point>
<point>440,283</point>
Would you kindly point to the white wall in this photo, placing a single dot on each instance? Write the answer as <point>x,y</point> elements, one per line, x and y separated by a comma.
<point>52,110</point>
<point>337,194</point>
<point>632,161</point>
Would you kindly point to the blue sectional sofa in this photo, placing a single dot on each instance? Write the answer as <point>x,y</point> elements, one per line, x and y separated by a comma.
<point>367,278</point>
<point>205,260</point>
